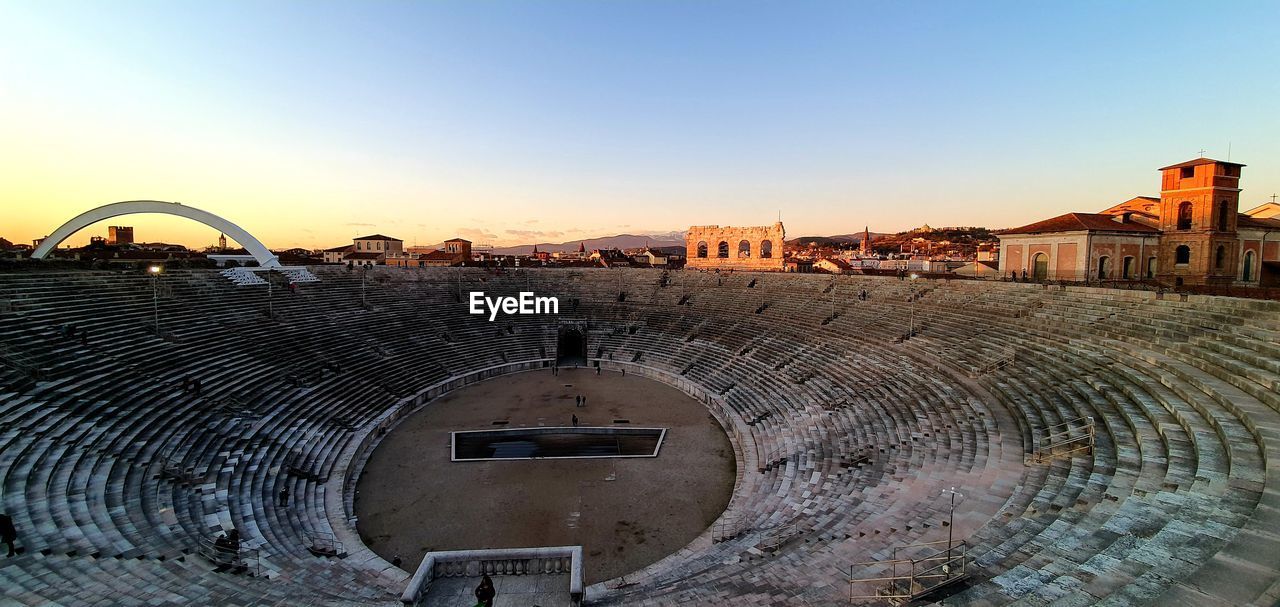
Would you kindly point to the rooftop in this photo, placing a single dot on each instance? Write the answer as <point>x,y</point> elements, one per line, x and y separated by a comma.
<point>1077,222</point>
<point>1198,162</point>
<point>358,256</point>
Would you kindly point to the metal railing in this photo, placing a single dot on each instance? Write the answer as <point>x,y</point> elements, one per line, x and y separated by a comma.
<point>233,559</point>
<point>1066,439</point>
<point>912,578</point>
<point>323,543</point>
<point>778,536</point>
<point>727,528</point>
<point>999,362</point>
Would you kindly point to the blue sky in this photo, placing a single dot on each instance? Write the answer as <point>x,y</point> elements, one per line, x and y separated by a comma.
<point>508,122</point>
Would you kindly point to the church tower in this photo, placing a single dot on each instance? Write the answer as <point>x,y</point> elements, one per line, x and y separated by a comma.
<point>866,240</point>
<point>1199,202</point>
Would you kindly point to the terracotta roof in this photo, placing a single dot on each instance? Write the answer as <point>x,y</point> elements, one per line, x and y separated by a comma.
<point>359,256</point>
<point>459,240</point>
<point>1137,204</point>
<point>1246,221</point>
<point>440,255</point>
<point>1077,222</point>
<point>1264,207</point>
<point>342,249</point>
<point>1198,162</point>
<point>378,237</point>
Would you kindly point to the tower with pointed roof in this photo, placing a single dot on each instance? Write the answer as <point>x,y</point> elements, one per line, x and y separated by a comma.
<point>866,240</point>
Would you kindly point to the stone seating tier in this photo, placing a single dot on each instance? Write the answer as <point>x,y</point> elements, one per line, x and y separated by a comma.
<point>849,427</point>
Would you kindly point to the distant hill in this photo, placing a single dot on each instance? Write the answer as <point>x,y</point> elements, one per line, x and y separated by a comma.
<point>620,241</point>
<point>838,239</point>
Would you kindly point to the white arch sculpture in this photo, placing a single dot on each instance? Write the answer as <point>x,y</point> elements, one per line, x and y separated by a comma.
<point>255,247</point>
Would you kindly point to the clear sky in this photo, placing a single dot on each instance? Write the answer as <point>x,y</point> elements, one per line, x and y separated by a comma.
<point>508,122</point>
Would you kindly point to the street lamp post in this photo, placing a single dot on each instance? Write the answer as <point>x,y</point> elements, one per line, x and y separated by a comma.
<point>155,295</point>
<point>951,524</point>
<point>833,297</point>
<point>912,326</point>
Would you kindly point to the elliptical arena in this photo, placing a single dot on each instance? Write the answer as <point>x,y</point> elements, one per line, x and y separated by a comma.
<point>978,443</point>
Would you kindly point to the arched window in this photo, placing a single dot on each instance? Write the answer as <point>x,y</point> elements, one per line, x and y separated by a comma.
<point>744,249</point>
<point>1184,216</point>
<point>1104,267</point>
<point>1040,266</point>
<point>1151,267</point>
<point>1220,257</point>
<point>702,249</point>
<point>1223,217</point>
<point>723,250</point>
<point>1126,268</point>
<point>766,249</point>
<point>1247,275</point>
<point>1182,255</point>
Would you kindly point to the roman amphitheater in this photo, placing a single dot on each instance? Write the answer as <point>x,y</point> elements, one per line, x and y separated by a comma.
<point>1026,443</point>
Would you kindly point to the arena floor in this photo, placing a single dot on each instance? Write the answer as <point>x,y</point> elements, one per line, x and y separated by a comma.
<point>626,513</point>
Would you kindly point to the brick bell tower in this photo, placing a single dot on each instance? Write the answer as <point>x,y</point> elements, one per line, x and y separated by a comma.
<point>1199,202</point>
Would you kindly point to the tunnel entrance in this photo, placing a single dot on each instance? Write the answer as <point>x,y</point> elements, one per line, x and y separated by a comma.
<point>571,347</point>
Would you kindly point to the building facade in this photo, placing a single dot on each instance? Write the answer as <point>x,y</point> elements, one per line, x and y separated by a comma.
<point>120,235</point>
<point>459,248</point>
<point>758,248</point>
<point>1192,234</point>
<point>377,243</point>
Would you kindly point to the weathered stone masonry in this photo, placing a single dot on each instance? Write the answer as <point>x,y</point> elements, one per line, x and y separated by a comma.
<point>752,248</point>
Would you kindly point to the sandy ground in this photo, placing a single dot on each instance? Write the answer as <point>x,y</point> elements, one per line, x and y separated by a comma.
<point>626,513</point>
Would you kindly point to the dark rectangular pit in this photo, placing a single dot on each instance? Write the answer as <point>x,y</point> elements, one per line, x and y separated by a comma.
<point>548,443</point>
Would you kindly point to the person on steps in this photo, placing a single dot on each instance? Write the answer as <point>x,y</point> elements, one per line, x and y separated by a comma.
<point>485,592</point>
<point>8,533</point>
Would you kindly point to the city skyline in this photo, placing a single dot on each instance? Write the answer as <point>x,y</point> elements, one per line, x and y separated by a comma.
<point>511,124</point>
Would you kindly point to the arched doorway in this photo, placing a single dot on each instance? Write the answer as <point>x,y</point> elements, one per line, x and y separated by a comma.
<point>1247,274</point>
<point>722,250</point>
<point>1040,267</point>
<point>571,347</point>
<point>766,249</point>
<point>1126,269</point>
<point>744,249</point>
<point>702,249</point>
<point>1104,267</point>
